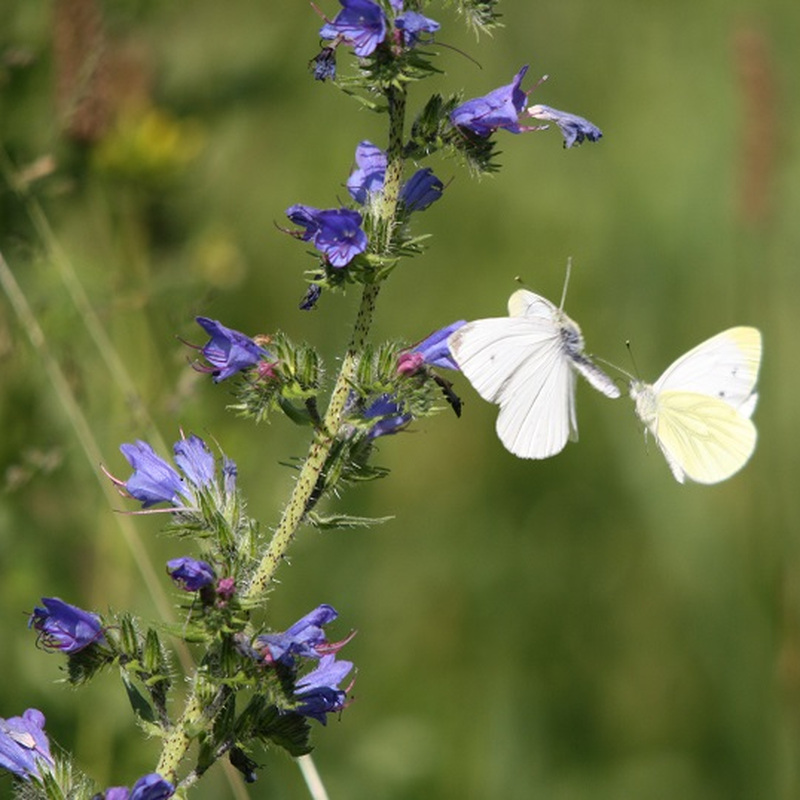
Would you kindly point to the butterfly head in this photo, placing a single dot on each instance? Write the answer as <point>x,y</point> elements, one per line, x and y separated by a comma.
<point>644,397</point>
<point>571,336</point>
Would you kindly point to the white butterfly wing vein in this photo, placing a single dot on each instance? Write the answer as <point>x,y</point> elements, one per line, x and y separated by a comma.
<point>699,410</point>
<point>702,437</point>
<point>520,364</point>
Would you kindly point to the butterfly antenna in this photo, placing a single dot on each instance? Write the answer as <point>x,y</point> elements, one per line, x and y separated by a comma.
<point>633,359</point>
<point>566,284</point>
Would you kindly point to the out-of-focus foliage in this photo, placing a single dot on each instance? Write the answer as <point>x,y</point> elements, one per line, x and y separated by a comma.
<point>576,629</point>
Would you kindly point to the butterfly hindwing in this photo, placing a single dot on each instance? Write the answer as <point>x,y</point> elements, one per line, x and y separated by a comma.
<point>702,437</point>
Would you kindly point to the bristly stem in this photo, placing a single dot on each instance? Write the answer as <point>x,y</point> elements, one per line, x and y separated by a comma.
<point>302,497</point>
<point>320,449</point>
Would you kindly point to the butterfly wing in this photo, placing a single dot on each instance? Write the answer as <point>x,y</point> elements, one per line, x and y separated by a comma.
<point>519,363</point>
<point>530,305</point>
<point>724,366</point>
<point>703,438</point>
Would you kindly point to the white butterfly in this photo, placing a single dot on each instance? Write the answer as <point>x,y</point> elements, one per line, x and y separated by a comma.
<point>526,363</point>
<point>699,410</point>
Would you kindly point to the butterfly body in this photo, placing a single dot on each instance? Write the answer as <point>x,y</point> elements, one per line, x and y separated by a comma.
<point>526,363</point>
<point>699,410</point>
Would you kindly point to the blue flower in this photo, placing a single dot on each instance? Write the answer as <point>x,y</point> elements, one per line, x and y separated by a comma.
<point>115,793</point>
<point>413,25</point>
<point>368,176</point>
<point>366,180</point>
<point>229,474</point>
<point>335,232</point>
<point>24,747</point>
<point>195,461</point>
<point>191,574</point>
<point>431,351</point>
<point>304,639</point>
<point>500,108</point>
<point>573,128</point>
<point>422,189</point>
<point>319,691</point>
<point>65,627</point>
<point>155,481</point>
<point>150,787</point>
<point>360,23</point>
<point>390,415</point>
<point>228,351</point>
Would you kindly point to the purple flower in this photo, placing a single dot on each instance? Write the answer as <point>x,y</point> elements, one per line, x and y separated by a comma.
<point>64,627</point>
<point>432,351</point>
<point>498,109</point>
<point>366,180</point>
<point>155,481</point>
<point>24,747</point>
<point>228,351</point>
<point>421,190</point>
<point>360,23</point>
<point>226,588</point>
<point>413,25</point>
<point>335,232</point>
<point>323,65</point>
<point>150,787</point>
<point>573,128</point>
<point>368,176</point>
<point>229,473</point>
<point>195,461</point>
<point>389,414</point>
<point>190,574</point>
<point>305,638</point>
<point>319,691</point>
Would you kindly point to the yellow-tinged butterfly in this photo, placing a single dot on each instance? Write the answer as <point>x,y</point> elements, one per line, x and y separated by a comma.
<point>526,363</point>
<point>699,410</point>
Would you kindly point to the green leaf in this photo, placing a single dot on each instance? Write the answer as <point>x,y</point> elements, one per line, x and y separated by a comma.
<point>141,707</point>
<point>328,522</point>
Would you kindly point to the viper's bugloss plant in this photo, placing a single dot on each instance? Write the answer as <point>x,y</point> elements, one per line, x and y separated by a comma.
<point>252,686</point>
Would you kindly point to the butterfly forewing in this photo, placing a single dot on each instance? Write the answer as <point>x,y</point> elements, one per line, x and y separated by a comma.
<point>524,303</point>
<point>526,363</point>
<point>490,351</point>
<point>724,366</point>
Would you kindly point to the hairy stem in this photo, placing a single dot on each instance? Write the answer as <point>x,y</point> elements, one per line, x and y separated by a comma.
<point>320,449</point>
<point>306,487</point>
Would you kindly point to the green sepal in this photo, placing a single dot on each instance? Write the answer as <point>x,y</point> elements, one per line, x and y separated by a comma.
<point>62,782</point>
<point>292,386</point>
<point>480,15</point>
<point>191,633</point>
<point>432,131</point>
<point>86,663</point>
<point>262,720</point>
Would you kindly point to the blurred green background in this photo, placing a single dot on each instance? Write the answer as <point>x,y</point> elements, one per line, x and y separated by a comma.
<point>578,628</point>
